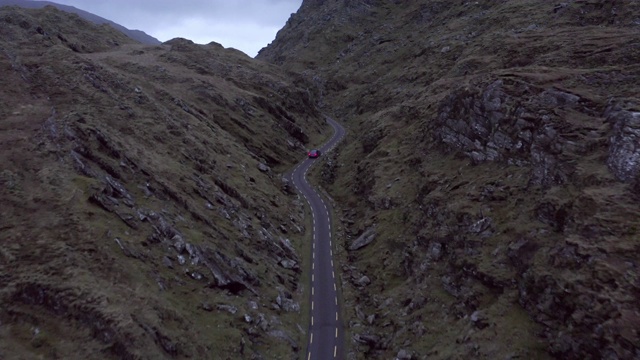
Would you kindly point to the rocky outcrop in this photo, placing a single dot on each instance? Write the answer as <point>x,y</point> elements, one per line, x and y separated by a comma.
<point>624,143</point>
<point>491,124</point>
<point>366,238</point>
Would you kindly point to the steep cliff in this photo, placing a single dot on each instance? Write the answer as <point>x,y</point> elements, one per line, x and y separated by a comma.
<point>489,184</point>
<point>143,213</point>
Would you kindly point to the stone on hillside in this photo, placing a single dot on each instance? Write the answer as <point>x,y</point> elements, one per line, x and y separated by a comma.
<point>286,303</point>
<point>368,339</point>
<point>289,264</point>
<point>228,308</point>
<point>364,281</point>
<point>118,190</point>
<point>554,98</point>
<point>624,145</point>
<point>282,335</point>
<point>359,313</point>
<point>404,355</point>
<point>167,262</point>
<point>546,146</point>
<point>195,275</point>
<point>481,225</point>
<point>228,273</point>
<point>435,250</point>
<point>367,237</point>
<point>80,165</point>
<point>479,319</point>
<point>178,243</point>
<point>264,168</point>
<point>194,254</point>
<point>371,318</point>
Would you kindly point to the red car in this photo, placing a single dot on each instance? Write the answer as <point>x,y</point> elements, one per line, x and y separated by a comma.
<point>313,154</point>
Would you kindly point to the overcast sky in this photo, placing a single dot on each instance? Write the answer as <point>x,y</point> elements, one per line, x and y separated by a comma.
<point>246,25</point>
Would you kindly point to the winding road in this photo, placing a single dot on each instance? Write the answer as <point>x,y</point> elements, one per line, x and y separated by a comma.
<point>326,332</point>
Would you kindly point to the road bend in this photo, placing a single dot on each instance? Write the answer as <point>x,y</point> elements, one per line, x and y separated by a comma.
<point>326,332</point>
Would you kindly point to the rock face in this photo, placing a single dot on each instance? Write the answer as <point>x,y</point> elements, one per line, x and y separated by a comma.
<point>497,156</point>
<point>491,125</point>
<point>624,144</point>
<point>124,229</point>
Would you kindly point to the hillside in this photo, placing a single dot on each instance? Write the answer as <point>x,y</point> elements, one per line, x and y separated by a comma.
<point>489,186</point>
<point>143,212</point>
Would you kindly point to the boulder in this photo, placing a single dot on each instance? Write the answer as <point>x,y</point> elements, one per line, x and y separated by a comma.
<point>367,237</point>
<point>284,336</point>
<point>364,281</point>
<point>435,250</point>
<point>624,145</point>
<point>286,303</point>
<point>263,168</point>
<point>404,355</point>
<point>369,339</point>
<point>228,308</point>
<point>289,264</point>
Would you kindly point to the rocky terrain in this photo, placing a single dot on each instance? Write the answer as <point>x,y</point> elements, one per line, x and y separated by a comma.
<point>143,211</point>
<point>488,192</point>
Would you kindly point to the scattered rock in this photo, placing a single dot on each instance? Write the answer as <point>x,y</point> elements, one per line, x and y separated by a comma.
<point>286,186</point>
<point>479,319</point>
<point>178,243</point>
<point>371,318</point>
<point>368,339</point>
<point>285,302</point>
<point>195,275</point>
<point>284,336</point>
<point>167,262</point>
<point>435,250</point>
<point>364,281</point>
<point>290,264</point>
<point>228,308</point>
<point>264,168</point>
<point>404,355</point>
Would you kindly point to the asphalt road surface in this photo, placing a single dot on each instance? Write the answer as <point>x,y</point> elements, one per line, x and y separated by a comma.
<point>326,332</point>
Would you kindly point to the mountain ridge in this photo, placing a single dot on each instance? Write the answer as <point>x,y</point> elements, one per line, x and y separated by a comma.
<point>135,34</point>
